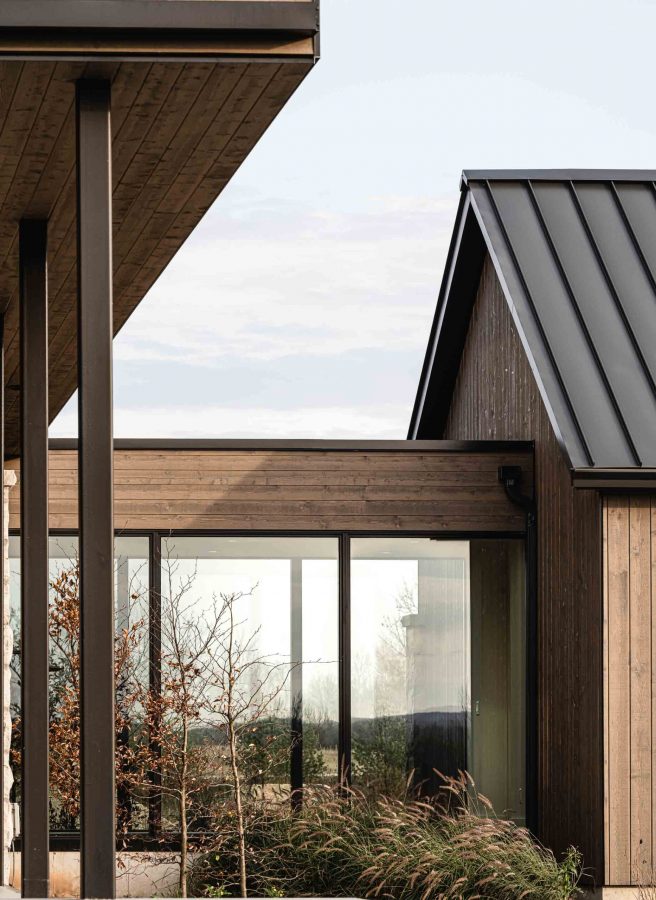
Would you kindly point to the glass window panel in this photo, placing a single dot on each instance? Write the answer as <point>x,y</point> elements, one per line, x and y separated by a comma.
<point>438,665</point>
<point>131,585</point>
<point>283,595</point>
<point>320,670</point>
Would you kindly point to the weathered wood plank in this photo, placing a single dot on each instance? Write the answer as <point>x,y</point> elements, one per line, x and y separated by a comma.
<point>302,461</point>
<point>394,525</point>
<point>640,615</point>
<point>324,490</point>
<point>619,693</point>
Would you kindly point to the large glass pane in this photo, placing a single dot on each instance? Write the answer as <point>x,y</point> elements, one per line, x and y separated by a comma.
<point>256,619</point>
<point>438,656</point>
<point>131,587</point>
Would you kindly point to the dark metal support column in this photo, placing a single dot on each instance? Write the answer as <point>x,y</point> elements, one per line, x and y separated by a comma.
<point>95,457</point>
<point>34,556</point>
<point>155,676</point>
<point>344,738</point>
<point>3,609</point>
<point>296,680</point>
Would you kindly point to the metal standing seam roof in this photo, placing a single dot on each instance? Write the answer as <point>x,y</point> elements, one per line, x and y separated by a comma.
<point>575,253</point>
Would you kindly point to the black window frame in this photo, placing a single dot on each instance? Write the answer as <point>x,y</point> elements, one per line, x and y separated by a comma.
<point>154,838</point>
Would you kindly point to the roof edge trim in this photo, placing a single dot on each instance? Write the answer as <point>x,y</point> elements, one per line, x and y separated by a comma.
<point>614,478</point>
<point>315,445</point>
<point>301,16</point>
<point>433,339</point>
<point>556,175</point>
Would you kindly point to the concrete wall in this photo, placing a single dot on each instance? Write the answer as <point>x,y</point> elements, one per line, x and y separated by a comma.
<point>137,874</point>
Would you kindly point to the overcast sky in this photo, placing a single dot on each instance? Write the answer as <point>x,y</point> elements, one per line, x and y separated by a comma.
<point>301,305</point>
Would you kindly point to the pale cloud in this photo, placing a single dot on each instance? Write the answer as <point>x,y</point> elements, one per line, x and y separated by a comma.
<point>330,284</point>
<point>302,304</point>
<point>190,421</point>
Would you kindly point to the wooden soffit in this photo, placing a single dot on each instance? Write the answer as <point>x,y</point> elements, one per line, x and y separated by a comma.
<point>187,108</point>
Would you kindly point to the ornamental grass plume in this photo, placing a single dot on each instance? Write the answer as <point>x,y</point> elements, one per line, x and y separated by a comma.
<point>343,844</point>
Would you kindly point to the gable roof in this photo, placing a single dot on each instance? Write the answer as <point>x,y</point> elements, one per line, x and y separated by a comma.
<point>575,253</point>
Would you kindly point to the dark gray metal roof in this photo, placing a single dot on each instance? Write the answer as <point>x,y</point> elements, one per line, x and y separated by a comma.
<point>575,252</point>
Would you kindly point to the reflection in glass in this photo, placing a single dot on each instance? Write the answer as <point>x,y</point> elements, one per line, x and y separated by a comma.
<point>437,665</point>
<point>131,598</point>
<point>281,628</point>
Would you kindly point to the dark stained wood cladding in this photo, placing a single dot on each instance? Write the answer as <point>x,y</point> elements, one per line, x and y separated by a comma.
<point>295,490</point>
<point>496,397</point>
<point>180,130</point>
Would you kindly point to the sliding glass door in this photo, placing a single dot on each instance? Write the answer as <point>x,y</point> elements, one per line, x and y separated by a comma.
<point>438,666</point>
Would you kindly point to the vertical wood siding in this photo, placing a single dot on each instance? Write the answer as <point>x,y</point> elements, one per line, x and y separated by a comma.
<point>630,687</point>
<point>497,397</point>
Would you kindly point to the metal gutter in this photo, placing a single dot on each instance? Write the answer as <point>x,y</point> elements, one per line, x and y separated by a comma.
<point>638,479</point>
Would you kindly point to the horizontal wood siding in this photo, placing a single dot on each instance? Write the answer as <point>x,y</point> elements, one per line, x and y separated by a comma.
<point>296,490</point>
<point>496,397</point>
<point>630,687</point>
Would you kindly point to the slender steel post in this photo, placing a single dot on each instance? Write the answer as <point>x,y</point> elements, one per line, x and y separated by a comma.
<point>95,459</point>
<point>155,678</point>
<point>296,647</point>
<point>3,610</point>
<point>344,736</point>
<point>34,556</point>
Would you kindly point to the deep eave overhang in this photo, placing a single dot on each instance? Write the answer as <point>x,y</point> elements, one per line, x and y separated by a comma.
<point>195,83</point>
<point>123,29</point>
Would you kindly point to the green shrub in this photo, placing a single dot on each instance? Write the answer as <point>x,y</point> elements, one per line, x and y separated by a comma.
<point>349,846</point>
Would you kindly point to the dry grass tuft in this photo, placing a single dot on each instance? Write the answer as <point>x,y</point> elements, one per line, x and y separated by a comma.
<point>345,845</point>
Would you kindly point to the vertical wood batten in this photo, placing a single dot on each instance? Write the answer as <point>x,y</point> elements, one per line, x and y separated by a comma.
<point>640,602</point>
<point>34,558</point>
<point>94,243</point>
<point>630,688</point>
<point>619,693</point>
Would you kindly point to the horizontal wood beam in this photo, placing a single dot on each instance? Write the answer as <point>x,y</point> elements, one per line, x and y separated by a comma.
<point>256,490</point>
